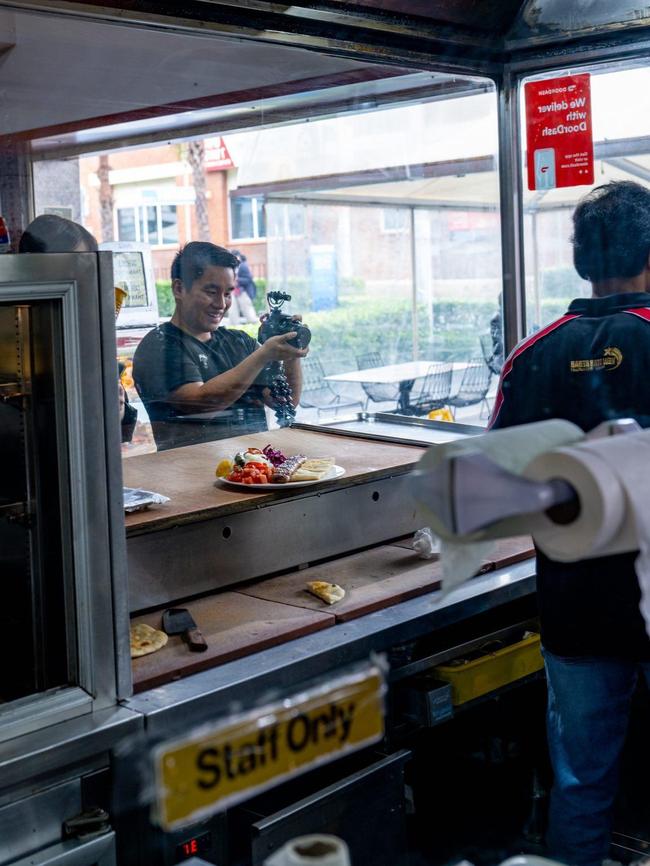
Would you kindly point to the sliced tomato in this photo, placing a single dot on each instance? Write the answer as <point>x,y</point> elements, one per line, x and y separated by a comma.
<point>248,480</point>
<point>263,480</point>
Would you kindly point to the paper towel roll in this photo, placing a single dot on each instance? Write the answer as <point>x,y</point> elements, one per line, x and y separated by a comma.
<point>314,850</point>
<point>602,504</point>
<point>513,449</point>
<point>612,479</point>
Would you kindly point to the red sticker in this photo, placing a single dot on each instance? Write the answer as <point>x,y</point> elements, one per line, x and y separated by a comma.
<point>560,147</point>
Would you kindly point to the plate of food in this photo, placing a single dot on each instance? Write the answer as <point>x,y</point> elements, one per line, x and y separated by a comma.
<point>258,469</point>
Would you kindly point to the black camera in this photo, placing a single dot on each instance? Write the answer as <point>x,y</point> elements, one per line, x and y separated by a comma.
<point>276,322</point>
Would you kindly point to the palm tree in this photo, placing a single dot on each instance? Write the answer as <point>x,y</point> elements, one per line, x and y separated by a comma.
<point>105,199</point>
<point>196,161</point>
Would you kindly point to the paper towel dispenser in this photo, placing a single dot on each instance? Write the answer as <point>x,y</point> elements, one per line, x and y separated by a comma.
<point>471,491</point>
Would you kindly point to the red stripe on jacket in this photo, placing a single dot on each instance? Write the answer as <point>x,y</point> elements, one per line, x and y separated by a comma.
<point>519,350</point>
<point>641,312</point>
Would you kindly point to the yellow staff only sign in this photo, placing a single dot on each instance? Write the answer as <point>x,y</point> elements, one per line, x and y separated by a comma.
<point>210,770</point>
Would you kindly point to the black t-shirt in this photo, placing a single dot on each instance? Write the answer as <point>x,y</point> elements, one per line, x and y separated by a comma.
<point>589,366</point>
<point>168,358</point>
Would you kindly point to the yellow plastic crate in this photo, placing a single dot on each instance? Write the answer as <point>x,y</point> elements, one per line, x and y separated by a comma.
<point>483,675</point>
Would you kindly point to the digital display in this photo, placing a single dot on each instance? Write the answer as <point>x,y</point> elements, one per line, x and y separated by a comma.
<point>191,847</point>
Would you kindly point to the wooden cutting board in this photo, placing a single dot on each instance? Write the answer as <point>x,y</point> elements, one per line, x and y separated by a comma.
<point>372,580</point>
<point>186,475</point>
<point>234,625</point>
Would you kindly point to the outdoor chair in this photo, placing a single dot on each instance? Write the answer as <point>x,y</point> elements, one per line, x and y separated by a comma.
<point>492,359</point>
<point>319,394</point>
<point>378,392</point>
<point>436,389</point>
<point>473,387</point>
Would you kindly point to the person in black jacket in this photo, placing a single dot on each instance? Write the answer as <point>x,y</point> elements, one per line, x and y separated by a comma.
<point>590,365</point>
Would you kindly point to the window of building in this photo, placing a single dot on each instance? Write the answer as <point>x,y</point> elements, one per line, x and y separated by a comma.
<point>247,218</point>
<point>395,219</point>
<point>151,224</point>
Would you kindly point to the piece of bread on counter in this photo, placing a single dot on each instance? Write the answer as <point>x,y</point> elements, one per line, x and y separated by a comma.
<point>327,592</point>
<point>145,639</point>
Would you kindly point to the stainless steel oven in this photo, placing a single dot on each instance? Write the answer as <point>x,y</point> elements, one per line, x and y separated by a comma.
<point>60,447</point>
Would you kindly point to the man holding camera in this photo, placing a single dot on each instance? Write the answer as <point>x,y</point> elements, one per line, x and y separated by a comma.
<point>201,382</point>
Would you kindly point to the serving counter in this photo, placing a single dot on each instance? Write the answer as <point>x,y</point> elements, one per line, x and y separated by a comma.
<point>236,534</point>
<point>239,561</point>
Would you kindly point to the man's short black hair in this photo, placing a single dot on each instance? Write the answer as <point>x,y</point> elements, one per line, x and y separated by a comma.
<point>50,233</point>
<point>190,263</point>
<point>611,232</point>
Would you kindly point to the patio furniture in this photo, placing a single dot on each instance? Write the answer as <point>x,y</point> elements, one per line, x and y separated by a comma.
<point>378,392</point>
<point>317,393</point>
<point>473,387</point>
<point>436,389</point>
<point>404,375</point>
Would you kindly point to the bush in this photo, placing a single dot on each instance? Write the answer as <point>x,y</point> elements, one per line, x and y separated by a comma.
<point>359,325</point>
<point>165,298</point>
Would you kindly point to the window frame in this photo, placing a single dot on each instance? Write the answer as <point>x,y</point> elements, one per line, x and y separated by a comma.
<point>140,218</point>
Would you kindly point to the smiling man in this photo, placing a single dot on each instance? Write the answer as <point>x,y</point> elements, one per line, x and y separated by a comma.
<point>200,381</point>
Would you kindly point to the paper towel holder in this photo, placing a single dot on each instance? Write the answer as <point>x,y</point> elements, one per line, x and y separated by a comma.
<point>469,492</point>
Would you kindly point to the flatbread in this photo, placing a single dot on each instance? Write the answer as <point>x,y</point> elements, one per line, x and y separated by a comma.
<point>145,639</point>
<point>327,592</point>
<point>313,469</point>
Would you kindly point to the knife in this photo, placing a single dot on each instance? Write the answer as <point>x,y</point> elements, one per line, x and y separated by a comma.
<point>178,620</point>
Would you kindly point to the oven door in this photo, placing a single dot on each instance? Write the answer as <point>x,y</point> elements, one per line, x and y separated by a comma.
<point>61,528</point>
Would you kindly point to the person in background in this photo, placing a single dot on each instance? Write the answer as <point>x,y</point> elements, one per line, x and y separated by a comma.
<point>200,381</point>
<point>589,366</point>
<point>50,233</point>
<point>242,309</point>
<point>495,361</point>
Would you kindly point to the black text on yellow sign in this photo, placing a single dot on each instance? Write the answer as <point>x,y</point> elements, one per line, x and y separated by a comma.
<point>204,774</point>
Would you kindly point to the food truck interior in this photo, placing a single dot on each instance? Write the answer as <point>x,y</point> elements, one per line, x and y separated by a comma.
<point>370,160</point>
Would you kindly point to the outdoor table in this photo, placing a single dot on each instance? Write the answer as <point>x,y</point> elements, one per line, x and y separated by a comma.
<point>402,375</point>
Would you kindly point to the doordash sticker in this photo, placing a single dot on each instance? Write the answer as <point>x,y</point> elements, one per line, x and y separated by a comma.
<point>560,148</point>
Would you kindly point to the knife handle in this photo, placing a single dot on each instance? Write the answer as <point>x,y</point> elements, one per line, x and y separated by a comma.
<point>195,639</point>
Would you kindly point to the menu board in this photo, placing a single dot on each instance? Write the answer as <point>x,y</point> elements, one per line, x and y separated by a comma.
<point>133,272</point>
<point>128,274</point>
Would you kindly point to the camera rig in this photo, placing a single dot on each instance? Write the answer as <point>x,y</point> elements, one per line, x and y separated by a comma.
<point>273,324</point>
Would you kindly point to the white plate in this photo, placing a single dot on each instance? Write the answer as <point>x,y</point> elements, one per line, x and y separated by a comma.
<point>334,472</point>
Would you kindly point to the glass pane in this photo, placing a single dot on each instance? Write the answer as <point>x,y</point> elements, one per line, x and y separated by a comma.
<point>126,224</point>
<point>241,210</point>
<point>620,129</point>
<point>152,225</point>
<point>169,221</point>
<point>385,235</point>
<point>261,218</point>
<point>296,219</point>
